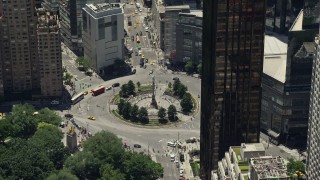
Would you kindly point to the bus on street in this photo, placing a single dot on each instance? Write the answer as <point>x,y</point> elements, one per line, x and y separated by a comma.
<point>77,98</point>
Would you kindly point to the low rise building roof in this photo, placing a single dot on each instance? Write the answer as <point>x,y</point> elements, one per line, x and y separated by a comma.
<point>275,57</point>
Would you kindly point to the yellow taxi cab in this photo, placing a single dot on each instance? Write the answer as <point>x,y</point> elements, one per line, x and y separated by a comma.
<point>135,26</point>
<point>137,21</point>
<point>133,14</point>
<point>91,118</point>
<point>142,56</point>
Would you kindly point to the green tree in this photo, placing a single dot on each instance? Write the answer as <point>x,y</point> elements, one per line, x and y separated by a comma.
<point>140,167</point>
<point>199,68</point>
<point>109,173</point>
<point>62,175</point>
<point>67,78</point>
<point>162,113</point>
<point>103,148</point>
<point>176,85</point>
<point>172,112</point>
<point>120,105</point>
<point>126,110</point>
<point>134,111</point>
<point>48,138</point>
<point>23,122</point>
<point>186,102</point>
<point>138,85</point>
<point>84,62</point>
<point>170,85</point>
<point>143,114</point>
<point>181,91</point>
<point>294,166</point>
<point>124,92</point>
<point>48,116</point>
<point>189,67</point>
<point>5,129</point>
<point>131,88</point>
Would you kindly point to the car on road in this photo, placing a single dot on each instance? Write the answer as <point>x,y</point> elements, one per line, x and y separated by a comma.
<point>146,60</point>
<point>108,88</point>
<point>137,145</point>
<point>140,10</point>
<point>142,56</point>
<point>135,26</point>
<point>91,118</point>
<point>139,52</point>
<point>171,144</point>
<point>181,172</point>
<point>131,3</point>
<point>151,71</point>
<point>175,78</point>
<point>136,11</point>
<point>115,84</point>
<point>134,71</point>
<point>68,115</point>
<point>146,29</point>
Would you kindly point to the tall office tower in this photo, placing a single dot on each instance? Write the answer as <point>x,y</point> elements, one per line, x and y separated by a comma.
<point>280,14</point>
<point>313,146</point>
<point>49,49</point>
<point>20,65</point>
<point>103,35</point>
<point>232,56</point>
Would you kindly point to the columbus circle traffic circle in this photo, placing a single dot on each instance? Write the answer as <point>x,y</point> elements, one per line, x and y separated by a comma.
<point>152,98</point>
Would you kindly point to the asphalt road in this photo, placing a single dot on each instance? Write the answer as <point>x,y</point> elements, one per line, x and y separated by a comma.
<point>153,141</point>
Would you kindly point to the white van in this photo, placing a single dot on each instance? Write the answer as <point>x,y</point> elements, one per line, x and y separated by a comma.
<point>172,157</point>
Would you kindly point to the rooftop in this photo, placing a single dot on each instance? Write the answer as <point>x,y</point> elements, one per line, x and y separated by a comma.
<point>177,7</point>
<point>269,167</point>
<point>251,147</point>
<point>275,57</point>
<point>297,24</point>
<point>103,9</point>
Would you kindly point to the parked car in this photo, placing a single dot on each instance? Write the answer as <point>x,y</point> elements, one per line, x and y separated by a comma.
<point>137,145</point>
<point>68,115</point>
<point>175,78</point>
<point>115,84</point>
<point>171,144</point>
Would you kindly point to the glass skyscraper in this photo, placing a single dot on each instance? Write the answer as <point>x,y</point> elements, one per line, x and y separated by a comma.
<point>233,39</point>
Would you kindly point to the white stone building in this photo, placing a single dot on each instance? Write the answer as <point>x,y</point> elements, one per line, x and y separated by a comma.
<point>103,35</point>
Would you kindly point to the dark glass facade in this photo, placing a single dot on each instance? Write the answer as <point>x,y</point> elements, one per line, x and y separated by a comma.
<point>233,38</point>
<point>280,14</point>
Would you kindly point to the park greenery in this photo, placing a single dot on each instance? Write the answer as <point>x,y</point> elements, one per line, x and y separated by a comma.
<point>127,111</point>
<point>127,89</point>
<point>31,148</point>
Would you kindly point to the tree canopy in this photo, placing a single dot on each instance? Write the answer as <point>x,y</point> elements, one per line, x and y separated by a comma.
<point>84,62</point>
<point>172,112</point>
<point>103,156</point>
<point>186,102</point>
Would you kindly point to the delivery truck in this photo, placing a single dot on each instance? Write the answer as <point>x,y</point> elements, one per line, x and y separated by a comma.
<point>99,90</point>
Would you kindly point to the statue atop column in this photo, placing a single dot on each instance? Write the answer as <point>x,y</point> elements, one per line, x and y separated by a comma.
<point>153,100</point>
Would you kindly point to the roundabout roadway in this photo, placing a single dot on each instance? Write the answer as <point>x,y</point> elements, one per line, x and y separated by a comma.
<point>152,140</point>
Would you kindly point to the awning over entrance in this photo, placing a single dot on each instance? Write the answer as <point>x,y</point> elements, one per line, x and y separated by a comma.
<point>273,133</point>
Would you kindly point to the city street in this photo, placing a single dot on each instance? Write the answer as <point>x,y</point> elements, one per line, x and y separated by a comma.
<point>153,141</point>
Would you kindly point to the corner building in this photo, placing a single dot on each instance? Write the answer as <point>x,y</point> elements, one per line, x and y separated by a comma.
<point>233,43</point>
